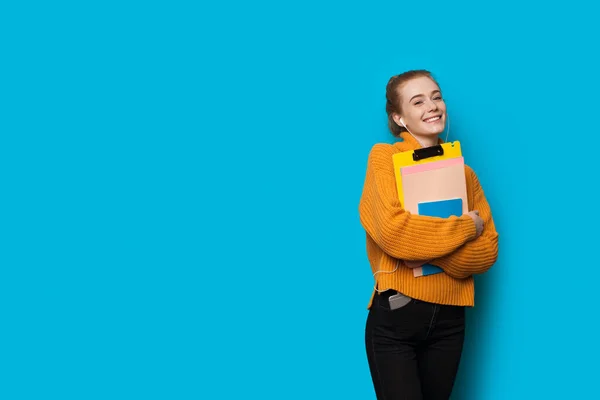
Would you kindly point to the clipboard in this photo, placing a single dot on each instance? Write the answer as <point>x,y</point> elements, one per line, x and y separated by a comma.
<point>441,152</point>
<point>431,181</point>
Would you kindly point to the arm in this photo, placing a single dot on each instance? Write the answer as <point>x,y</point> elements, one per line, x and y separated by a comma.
<point>398,232</point>
<point>476,256</point>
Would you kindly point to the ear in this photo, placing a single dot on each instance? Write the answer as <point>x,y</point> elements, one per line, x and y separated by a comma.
<point>397,119</point>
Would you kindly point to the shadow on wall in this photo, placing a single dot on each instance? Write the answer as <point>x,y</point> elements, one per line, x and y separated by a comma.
<point>470,380</point>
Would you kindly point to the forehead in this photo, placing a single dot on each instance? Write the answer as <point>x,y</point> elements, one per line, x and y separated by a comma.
<point>421,85</point>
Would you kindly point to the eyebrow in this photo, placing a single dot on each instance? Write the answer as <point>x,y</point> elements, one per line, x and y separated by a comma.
<point>420,95</point>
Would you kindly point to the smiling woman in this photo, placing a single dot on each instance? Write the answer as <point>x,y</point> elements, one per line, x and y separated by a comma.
<point>415,327</point>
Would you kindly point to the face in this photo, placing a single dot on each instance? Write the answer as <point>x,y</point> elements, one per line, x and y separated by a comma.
<point>423,108</point>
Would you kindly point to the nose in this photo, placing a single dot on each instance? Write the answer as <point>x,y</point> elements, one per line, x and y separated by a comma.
<point>432,106</point>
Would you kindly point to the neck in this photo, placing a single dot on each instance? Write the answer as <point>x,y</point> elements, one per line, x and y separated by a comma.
<point>426,141</point>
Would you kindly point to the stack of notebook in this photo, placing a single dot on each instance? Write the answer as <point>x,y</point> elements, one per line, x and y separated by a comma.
<point>431,181</point>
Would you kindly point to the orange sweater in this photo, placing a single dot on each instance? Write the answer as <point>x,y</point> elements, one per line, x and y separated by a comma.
<point>394,234</point>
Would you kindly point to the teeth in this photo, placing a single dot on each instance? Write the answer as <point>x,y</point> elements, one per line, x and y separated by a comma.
<point>432,119</point>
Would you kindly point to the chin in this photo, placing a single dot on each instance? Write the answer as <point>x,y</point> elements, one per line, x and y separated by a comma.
<point>433,130</point>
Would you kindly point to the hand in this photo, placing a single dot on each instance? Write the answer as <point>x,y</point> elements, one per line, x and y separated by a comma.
<point>478,221</point>
<point>416,264</point>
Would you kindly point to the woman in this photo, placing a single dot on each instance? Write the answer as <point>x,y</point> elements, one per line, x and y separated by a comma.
<point>414,340</point>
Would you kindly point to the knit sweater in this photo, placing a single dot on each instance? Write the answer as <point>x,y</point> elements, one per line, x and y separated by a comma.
<point>394,235</point>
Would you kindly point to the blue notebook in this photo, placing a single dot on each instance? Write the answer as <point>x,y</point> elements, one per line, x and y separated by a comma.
<point>442,209</point>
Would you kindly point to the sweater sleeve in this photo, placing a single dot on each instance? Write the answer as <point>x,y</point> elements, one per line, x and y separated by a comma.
<point>476,256</point>
<point>398,232</point>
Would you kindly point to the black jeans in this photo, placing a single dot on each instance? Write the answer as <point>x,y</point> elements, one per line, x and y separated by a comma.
<point>414,351</point>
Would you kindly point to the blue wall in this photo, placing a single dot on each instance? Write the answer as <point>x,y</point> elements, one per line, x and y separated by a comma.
<point>180,189</point>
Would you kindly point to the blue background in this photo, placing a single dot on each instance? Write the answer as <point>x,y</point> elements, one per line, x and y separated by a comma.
<point>180,187</point>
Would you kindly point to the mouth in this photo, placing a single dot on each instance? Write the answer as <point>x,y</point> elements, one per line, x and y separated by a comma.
<point>433,119</point>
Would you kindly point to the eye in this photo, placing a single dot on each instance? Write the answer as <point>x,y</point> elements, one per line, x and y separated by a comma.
<point>418,102</point>
<point>437,98</point>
